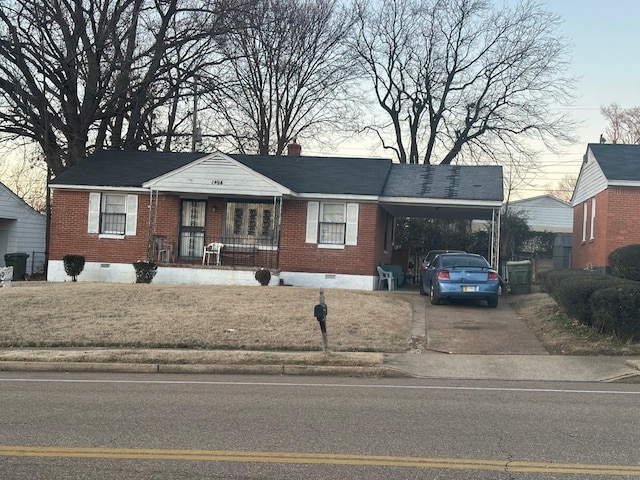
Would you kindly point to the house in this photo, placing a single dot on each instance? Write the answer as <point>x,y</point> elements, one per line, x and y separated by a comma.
<point>606,204</point>
<point>313,221</point>
<point>22,230</point>
<point>545,213</point>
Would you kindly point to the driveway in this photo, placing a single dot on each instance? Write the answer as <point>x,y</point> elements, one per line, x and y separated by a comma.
<point>470,328</point>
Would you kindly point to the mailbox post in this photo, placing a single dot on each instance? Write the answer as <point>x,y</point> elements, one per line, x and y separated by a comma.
<point>320,312</point>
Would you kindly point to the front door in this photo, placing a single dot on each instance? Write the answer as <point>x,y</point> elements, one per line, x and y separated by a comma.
<point>192,215</point>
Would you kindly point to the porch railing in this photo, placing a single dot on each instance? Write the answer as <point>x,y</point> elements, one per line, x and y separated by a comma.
<point>236,252</point>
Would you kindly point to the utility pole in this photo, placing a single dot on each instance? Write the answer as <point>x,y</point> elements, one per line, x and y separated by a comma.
<point>195,132</point>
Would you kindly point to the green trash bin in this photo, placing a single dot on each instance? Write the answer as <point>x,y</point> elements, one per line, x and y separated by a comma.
<point>519,276</point>
<point>19,263</point>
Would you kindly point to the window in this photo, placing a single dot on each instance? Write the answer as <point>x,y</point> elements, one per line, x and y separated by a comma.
<point>112,214</point>
<point>584,222</point>
<point>332,224</point>
<point>250,221</point>
<point>593,217</point>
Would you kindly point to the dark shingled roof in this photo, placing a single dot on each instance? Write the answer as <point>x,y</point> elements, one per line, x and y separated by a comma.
<point>618,161</point>
<point>445,181</point>
<point>117,168</point>
<point>328,175</point>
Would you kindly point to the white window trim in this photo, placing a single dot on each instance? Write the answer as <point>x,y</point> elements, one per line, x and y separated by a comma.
<point>584,222</point>
<point>593,217</point>
<point>95,208</point>
<point>351,225</point>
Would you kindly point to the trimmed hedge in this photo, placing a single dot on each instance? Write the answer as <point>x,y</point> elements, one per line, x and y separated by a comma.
<point>145,271</point>
<point>615,311</point>
<point>608,304</point>
<point>625,262</point>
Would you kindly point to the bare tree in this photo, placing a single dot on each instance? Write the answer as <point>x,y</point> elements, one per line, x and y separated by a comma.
<point>80,75</point>
<point>463,79</point>
<point>288,74</point>
<point>563,189</point>
<point>624,124</point>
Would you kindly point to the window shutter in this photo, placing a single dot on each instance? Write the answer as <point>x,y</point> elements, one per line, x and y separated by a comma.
<point>132,214</point>
<point>313,209</point>
<point>93,223</point>
<point>352,224</point>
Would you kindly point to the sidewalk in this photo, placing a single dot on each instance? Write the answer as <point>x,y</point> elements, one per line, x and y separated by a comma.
<point>425,365</point>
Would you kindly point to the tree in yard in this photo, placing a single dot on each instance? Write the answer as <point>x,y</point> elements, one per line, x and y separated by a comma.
<point>461,79</point>
<point>288,75</point>
<point>563,190</point>
<point>624,124</point>
<point>81,75</point>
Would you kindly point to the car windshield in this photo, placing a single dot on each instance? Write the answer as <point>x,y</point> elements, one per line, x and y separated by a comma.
<point>463,261</point>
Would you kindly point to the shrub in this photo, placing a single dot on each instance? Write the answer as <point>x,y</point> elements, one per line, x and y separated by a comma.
<point>573,288</point>
<point>145,271</point>
<point>616,310</point>
<point>73,266</point>
<point>625,262</point>
<point>263,276</point>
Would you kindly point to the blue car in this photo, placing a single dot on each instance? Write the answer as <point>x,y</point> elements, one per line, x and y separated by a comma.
<point>460,276</point>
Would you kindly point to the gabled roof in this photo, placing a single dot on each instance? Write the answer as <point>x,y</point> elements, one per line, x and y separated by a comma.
<point>607,165</point>
<point>447,191</point>
<point>119,168</point>
<point>618,162</point>
<point>540,200</point>
<point>327,175</point>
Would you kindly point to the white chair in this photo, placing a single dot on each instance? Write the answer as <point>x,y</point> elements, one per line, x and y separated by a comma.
<point>383,276</point>
<point>212,249</point>
<point>165,250</point>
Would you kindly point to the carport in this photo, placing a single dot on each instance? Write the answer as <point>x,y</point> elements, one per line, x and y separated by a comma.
<point>454,192</point>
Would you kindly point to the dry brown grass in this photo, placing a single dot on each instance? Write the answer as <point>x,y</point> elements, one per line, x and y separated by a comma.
<point>562,335</point>
<point>81,314</point>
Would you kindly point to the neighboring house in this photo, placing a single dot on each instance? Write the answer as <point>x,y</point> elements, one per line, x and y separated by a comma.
<point>606,204</point>
<point>545,213</point>
<point>22,230</point>
<point>313,221</point>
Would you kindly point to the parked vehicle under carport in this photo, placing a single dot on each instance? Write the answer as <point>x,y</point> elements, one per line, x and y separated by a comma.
<point>460,276</point>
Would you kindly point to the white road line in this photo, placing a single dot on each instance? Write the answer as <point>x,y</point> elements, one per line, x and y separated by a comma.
<point>323,385</point>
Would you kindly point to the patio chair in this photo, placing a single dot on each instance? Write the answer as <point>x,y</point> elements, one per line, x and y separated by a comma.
<point>212,249</point>
<point>383,276</point>
<point>165,250</point>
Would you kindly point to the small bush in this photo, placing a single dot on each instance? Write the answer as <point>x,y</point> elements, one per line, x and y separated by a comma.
<point>625,262</point>
<point>263,276</point>
<point>73,266</point>
<point>145,271</point>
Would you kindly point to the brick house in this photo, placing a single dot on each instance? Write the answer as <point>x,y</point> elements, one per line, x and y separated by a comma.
<point>313,221</point>
<point>606,204</point>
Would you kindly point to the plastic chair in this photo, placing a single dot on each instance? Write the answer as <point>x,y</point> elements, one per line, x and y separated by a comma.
<point>383,276</point>
<point>212,249</point>
<point>165,250</point>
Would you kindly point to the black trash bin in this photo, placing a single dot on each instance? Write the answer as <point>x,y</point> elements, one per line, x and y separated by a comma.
<point>19,263</point>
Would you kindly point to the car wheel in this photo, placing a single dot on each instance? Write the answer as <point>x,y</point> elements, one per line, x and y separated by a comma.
<point>432,296</point>
<point>492,302</point>
<point>422,290</point>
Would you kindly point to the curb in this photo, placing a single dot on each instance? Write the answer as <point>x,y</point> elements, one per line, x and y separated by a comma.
<point>89,367</point>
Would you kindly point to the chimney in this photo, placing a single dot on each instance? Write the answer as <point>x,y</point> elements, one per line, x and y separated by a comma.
<point>294,149</point>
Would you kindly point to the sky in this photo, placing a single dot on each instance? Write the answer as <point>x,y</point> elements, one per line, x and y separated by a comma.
<point>604,39</point>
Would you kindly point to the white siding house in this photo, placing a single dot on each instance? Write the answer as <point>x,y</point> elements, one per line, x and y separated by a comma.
<point>22,230</point>
<point>545,213</point>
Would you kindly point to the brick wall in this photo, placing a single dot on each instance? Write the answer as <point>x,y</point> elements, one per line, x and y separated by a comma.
<point>298,256</point>
<point>616,225</point>
<point>69,218</point>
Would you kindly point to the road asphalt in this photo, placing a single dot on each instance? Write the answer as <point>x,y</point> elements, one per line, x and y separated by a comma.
<point>468,342</point>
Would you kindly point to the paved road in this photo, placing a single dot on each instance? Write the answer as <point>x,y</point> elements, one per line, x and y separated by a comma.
<point>173,426</point>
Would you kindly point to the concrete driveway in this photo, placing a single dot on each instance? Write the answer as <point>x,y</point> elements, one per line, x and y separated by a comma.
<point>470,328</point>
